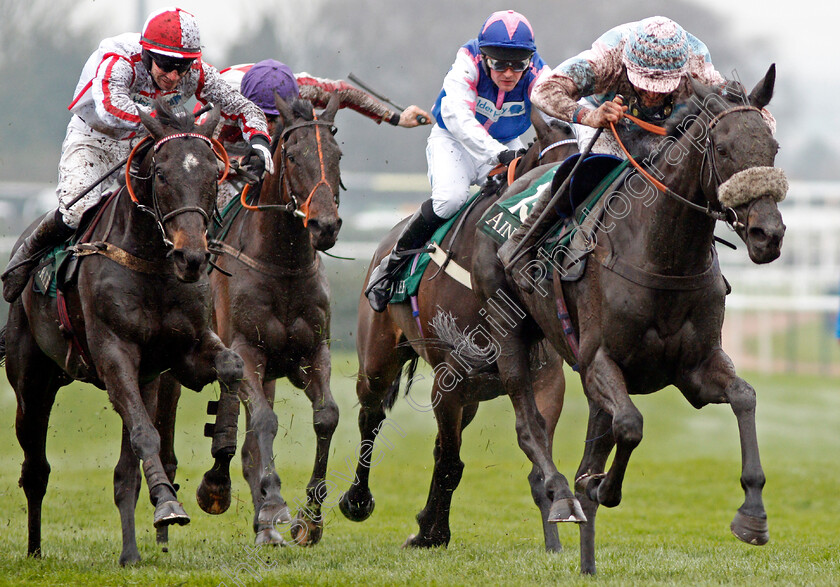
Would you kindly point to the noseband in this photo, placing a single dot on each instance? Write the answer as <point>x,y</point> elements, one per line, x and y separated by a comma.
<point>156,212</point>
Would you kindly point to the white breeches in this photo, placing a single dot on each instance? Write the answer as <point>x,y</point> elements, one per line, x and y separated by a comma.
<point>452,170</point>
<point>85,157</point>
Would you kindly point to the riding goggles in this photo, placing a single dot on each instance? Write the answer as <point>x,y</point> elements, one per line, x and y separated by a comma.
<point>167,64</point>
<point>504,65</point>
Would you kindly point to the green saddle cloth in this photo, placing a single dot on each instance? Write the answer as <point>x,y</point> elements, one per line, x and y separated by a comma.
<point>505,216</point>
<point>408,279</point>
<point>44,281</point>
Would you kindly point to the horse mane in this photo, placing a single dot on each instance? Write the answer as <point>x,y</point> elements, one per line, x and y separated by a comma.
<point>301,108</point>
<point>174,116</point>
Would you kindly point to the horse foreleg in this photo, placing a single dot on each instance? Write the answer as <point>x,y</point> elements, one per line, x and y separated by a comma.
<point>211,361</point>
<point>270,509</point>
<point>169,392</point>
<point>119,367</point>
<point>604,383</point>
<point>599,442</point>
<point>126,491</point>
<point>549,391</point>
<point>531,432</point>
<point>716,382</point>
<point>433,519</point>
<point>308,525</point>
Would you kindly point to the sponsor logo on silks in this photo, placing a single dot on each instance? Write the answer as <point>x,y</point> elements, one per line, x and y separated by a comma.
<point>488,109</point>
<point>500,224</point>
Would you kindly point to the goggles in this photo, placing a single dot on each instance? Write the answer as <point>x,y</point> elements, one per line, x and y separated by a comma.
<point>167,64</point>
<point>503,65</point>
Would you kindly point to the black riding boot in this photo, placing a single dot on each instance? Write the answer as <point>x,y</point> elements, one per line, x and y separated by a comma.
<point>415,234</point>
<point>50,233</point>
<point>525,254</point>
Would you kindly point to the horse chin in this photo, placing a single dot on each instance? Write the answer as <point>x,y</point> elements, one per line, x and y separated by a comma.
<point>763,230</point>
<point>322,241</point>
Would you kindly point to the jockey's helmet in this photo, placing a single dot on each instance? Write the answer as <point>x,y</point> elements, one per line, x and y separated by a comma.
<point>264,79</point>
<point>507,35</point>
<point>172,32</point>
<point>655,54</point>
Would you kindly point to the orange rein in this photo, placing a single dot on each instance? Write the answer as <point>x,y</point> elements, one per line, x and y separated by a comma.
<point>217,147</point>
<point>304,208</point>
<point>511,170</point>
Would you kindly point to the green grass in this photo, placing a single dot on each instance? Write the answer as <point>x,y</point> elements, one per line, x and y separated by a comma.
<point>672,526</point>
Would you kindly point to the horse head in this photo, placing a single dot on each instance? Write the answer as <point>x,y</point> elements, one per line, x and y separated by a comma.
<point>307,157</point>
<point>738,173</point>
<point>179,188</point>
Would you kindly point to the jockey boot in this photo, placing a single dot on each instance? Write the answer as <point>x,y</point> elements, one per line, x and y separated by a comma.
<point>414,235</point>
<point>50,233</point>
<point>525,254</point>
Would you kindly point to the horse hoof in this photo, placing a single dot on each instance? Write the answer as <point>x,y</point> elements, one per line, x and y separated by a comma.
<point>415,541</point>
<point>271,515</point>
<point>269,536</point>
<point>356,511</point>
<point>213,494</point>
<point>129,558</point>
<point>307,528</point>
<point>566,509</point>
<point>750,529</point>
<point>170,512</point>
<point>588,484</point>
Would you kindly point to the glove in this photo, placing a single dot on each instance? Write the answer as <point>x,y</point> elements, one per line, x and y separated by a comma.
<point>505,157</point>
<point>259,159</point>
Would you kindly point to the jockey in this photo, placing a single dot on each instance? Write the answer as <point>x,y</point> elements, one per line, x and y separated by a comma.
<point>648,63</point>
<point>482,110</point>
<point>259,82</point>
<point>125,73</point>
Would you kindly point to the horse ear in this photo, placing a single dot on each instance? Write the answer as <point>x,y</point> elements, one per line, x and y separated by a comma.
<point>286,114</point>
<point>332,107</point>
<point>154,127</point>
<point>763,90</point>
<point>207,127</point>
<point>540,125</point>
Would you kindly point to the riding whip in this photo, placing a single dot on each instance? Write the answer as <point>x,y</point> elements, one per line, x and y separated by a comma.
<point>108,173</point>
<point>420,118</point>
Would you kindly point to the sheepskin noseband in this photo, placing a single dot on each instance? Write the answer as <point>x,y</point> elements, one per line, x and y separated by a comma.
<point>752,183</point>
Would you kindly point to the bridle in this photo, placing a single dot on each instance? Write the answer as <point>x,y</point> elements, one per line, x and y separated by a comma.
<point>155,211</point>
<point>291,205</point>
<point>728,214</point>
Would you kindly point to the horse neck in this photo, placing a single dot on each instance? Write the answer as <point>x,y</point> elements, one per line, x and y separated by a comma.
<point>125,225</point>
<point>279,237</point>
<point>664,233</point>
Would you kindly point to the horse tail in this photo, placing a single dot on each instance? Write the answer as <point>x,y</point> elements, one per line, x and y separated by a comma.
<point>2,346</point>
<point>394,390</point>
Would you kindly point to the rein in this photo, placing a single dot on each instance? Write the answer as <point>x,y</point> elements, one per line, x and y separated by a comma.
<point>727,215</point>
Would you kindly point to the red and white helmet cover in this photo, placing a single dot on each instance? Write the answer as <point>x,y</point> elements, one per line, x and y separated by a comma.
<point>173,32</point>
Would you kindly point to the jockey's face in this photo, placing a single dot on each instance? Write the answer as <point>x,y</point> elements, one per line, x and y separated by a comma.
<point>507,79</point>
<point>166,80</point>
<point>651,99</point>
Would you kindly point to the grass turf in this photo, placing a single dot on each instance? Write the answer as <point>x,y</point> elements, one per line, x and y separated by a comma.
<point>672,526</point>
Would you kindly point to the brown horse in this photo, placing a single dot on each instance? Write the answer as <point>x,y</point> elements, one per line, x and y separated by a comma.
<point>274,310</point>
<point>450,333</point>
<point>649,307</point>
<point>139,304</point>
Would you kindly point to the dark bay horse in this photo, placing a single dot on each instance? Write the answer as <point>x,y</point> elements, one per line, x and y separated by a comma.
<point>649,307</point>
<point>139,305</point>
<point>274,310</point>
<point>451,334</point>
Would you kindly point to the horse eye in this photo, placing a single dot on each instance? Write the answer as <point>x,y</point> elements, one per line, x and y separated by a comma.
<point>291,158</point>
<point>721,151</point>
<point>159,174</point>
<point>333,130</point>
